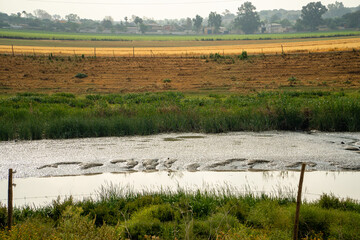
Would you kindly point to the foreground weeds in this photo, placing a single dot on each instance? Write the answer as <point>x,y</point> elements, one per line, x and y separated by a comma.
<point>37,116</point>
<point>184,215</point>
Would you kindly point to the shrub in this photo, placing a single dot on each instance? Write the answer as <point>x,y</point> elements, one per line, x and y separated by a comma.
<point>243,55</point>
<point>292,80</point>
<point>81,75</point>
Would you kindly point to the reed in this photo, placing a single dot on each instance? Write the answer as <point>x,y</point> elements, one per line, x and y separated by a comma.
<point>36,116</point>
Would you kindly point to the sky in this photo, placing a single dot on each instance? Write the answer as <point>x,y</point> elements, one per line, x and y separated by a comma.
<point>153,9</point>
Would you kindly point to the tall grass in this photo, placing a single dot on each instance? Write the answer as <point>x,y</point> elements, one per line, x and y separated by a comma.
<point>122,214</point>
<point>37,116</point>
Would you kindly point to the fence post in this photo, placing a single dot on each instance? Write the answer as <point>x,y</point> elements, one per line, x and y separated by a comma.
<point>12,49</point>
<point>10,200</point>
<point>298,202</point>
<point>133,51</point>
<point>94,51</point>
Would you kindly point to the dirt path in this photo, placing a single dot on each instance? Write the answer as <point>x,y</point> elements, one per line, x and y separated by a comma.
<point>113,75</point>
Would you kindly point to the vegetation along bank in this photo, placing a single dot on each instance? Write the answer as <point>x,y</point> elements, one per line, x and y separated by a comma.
<point>62,115</point>
<point>221,215</point>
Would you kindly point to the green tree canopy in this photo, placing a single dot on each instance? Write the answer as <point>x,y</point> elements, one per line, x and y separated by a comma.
<point>311,15</point>
<point>107,22</point>
<point>72,17</point>
<point>143,28</point>
<point>197,22</point>
<point>336,10</point>
<point>352,19</point>
<point>42,14</point>
<point>214,21</point>
<point>248,19</point>
<point>138,20</point>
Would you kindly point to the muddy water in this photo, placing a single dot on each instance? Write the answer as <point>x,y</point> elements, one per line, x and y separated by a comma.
<point>187,160</point>
<point>240,151</point>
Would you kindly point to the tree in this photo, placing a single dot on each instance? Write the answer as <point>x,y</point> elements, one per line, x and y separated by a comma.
<point>351,20</point>
<point>285,23</point>
<point>275,18</point>
<point>72,17</point>
<point>311,15</point>
<point>138,20</point>
<point>56,17</point>
<point>197,23</point>
<point>336,10</point>
<point>214,21</point>
<point>107,22</point>
<point>42,14</point>
<point>121,27</point>
<point>248,19</point>
<point>143,28</point>
<point>188,23</point>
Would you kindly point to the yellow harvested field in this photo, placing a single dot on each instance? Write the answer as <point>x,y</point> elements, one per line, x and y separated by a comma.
<point>255,47</point>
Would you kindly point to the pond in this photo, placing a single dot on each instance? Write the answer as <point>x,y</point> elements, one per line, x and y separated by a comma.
<point>41,191</point>
<point>240,159</point>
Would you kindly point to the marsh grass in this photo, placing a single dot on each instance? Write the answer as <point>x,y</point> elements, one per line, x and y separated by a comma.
<point>119,213</point>
<point>36,116</point>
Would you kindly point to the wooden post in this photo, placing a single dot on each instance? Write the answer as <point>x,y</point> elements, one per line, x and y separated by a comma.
<point>282,50</point>
<point>133,51</point>
<point>94,51</point>
<point>298,202</point>
<point>10,199</point>
<point>12,49</point>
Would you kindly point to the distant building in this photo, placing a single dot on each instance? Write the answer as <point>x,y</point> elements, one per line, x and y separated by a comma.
<point>131,30</point>
<point>273,28</point>
<point>154,28</point>
<point>209,30</point>
<point>13,26</point>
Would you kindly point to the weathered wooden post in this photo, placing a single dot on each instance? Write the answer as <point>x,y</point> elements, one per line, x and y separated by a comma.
<point>10,199</point>
<point>298,202</point>
<point>12,49</point>
<point>133,52</point>
<point>94,51</point>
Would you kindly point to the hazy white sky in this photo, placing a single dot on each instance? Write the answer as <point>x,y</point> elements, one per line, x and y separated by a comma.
<point>156,9</point>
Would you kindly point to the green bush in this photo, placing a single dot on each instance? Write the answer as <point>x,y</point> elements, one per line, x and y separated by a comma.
<point>243,55</point>
<point>81,75</point>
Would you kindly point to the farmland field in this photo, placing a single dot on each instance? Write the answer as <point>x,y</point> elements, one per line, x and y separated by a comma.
<point>124,37</point>
<point>175,48</point>
<point>319,71</point>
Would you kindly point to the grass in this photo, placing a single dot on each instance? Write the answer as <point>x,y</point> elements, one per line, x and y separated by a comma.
<point>33,116</point>
<point>40,35</point>
<point>121,214</point>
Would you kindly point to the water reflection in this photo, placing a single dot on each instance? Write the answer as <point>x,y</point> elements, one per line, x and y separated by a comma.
<point>40,191</point>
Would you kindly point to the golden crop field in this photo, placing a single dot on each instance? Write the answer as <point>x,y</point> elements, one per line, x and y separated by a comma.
<point>157,49</point>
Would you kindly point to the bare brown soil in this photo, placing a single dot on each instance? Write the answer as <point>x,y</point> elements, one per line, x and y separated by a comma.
<point>330,70</point>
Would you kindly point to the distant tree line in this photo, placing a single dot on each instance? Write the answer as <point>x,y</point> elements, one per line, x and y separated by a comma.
<point>247,20</point>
